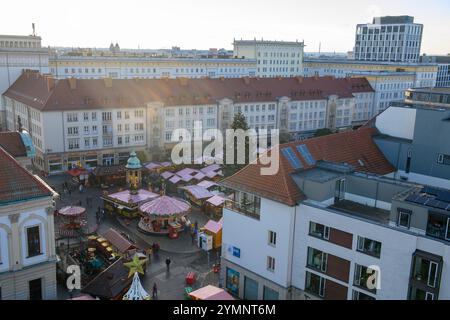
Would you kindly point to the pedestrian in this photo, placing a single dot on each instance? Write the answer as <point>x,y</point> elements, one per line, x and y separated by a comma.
<point>155,291</point>
<point>168,261</point>
<point>80,188</point>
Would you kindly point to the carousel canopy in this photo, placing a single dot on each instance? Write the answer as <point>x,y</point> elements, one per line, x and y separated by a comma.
<point>127,197</point>
<point>72,211</point>
<point>133,162</point>
<point>165,206</point>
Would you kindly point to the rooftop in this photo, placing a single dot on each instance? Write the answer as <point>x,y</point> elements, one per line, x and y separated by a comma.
<point>353,148</point>
<point>47,94</point>
<point>18,184</point>
<point>362,211</point>
<point>12,143</point>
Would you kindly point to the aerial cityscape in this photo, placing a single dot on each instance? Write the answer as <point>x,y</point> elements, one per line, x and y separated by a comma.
<point>268,167</point>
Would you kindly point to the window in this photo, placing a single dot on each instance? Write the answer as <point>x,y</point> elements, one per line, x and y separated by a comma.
<point>315,284</point>
<point>319,230</point>
<point>85,116</point>
<point>33,241</point>
<point>94,142</point>
<point>74,144</point>
<point>272,238</point>
<point>106,116</point>
<point>72,131</point>
<point>270,263</point>
<point>270,294</point>
<point>443,159</point>
<point>368,246</point>
<point>361,296</point>
<point>94,129</point>
<point>364,278</point>
<point>317,259</point>
<point>72,117</point>
<point>404,218</point>
<point>86,142</point>
<point>438,226</point>
<point>94,116</point>
<point>119,114</point>
<point>426,271</point>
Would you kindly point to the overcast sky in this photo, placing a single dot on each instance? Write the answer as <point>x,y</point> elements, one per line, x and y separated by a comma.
<point>204,24</point>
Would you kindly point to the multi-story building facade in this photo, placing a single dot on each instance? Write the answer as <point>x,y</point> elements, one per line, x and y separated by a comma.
<point>18,53</point>
<point>333,224</point>
<point>413,136</point>
<point>389,80</point>
<point>273,58</point>
<point>425,74</point>
<point>27,244</point>
<point>129,67</point>
<point>396,39</point>
<point>100,121</point>
<point>443,73</point>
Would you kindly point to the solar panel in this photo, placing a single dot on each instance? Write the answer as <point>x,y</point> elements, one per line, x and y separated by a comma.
<point>292,158</point>
<point>304,151</point>
<point>411,198</point>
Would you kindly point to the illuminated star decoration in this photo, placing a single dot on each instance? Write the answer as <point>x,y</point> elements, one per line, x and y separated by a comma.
<point>135,265</point>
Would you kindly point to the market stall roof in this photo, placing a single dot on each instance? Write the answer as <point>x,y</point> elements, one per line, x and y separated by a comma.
<point>164,206</point>
<point>117,240</point>
<point>211,293</point>
<point>77,172</point>
<point>212,167</point>
<point>110,283</point>
<point>216,200</point>
<point>127,197</point>
<point>207,184</point>
<point>156,165</point>
<point>175,179</point>
<point>167,174</point>
<point>102,171</point>
<point>198,192</point>
<point>214,226</point>
<point>71,211</point>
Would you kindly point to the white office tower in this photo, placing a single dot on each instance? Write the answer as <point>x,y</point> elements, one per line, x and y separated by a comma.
<point>390,38</point>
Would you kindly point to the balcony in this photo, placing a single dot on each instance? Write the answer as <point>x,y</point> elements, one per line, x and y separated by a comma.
<point>248,210</point>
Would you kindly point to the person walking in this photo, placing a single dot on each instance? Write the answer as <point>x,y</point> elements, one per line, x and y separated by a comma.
<point>168,261</point>
<point>155,291</point>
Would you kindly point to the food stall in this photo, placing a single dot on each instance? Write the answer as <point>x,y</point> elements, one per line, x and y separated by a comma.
<point>210,293</point>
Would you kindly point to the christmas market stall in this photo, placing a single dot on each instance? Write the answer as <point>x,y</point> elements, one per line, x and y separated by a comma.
<point>164,215</point>
<point>111,284</point>
<point>214,229</point>
<point>196,194</point>
<point>214,205</point>
<point>106,176</point>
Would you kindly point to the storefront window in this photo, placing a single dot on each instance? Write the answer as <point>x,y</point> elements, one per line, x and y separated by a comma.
<point>233,281</point>
<point>270,294</point>
<point>55,165</point>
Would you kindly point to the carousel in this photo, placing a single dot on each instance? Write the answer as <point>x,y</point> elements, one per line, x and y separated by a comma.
<point>164,215</point>
<point>70,220</point>
<point>126,202</point>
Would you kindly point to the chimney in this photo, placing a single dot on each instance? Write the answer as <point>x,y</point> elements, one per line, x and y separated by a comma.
<point>72,83</point>
<point>247,80</point>
<point>108,82</point>
<point>50,83</point>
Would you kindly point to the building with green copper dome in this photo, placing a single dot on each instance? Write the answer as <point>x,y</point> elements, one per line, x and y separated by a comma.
<point>134,173</point>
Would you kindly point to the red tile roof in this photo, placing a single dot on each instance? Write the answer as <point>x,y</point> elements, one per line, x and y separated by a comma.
<point>40,91</point>
<point>16,183</point>
<point>13,144</point>
<point>354,147</point>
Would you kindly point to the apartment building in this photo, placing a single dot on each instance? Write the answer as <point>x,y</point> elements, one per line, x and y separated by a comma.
<point>27,244</point>
<point>273,58</point>
<point>443,73</point>
<point>413,136</point>
<point>99,121</point>
<point>145,67</point>
<point>333,224</point>
<point>390,38</point>
<point>18,53</point>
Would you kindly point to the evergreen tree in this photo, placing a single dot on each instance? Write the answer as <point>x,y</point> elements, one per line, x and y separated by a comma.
<point>239,122</point>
